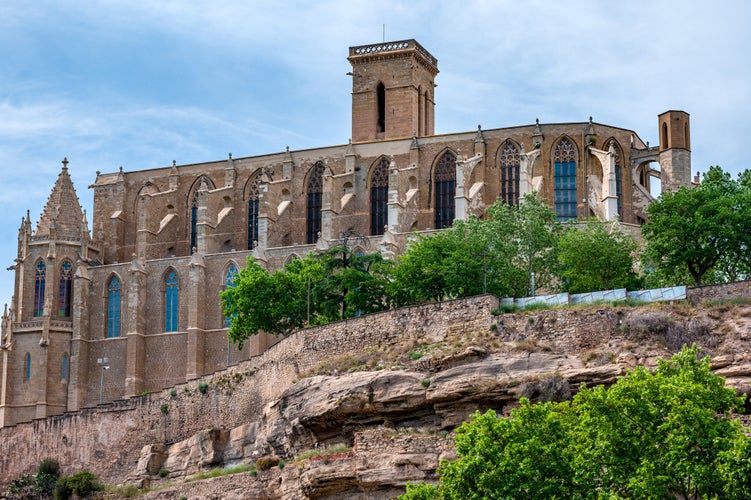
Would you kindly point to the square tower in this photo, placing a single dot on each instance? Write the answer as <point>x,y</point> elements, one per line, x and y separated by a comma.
<point>675,149</point>
<point>392,91</point>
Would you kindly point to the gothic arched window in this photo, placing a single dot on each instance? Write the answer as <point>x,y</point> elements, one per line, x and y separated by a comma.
<point>39,279</point>
<point>229,281</point>
<point>509,164</point>
<point>564,162</point>
<point>65,289</point>
<point>171,301</point>
<point>65,368</point>
<point>253,196</point>
<point>444,178</point>
<point>114,296</point>
<point>315,203</point>
<point>379,190</point>
<point>27,366</point>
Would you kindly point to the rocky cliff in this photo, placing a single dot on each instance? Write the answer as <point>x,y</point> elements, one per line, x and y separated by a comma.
<point>389,390</point>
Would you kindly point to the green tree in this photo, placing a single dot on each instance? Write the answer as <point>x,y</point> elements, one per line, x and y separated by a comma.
<point>352,283</point>
<point>663,435</point>
<point>596,256</point>
<point>703,230</point>
<point>532,231</point>
<point>495,255</point>
<point>275,303</point>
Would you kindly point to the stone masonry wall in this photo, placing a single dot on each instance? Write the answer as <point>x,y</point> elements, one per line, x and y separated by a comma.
<point>723,291</point>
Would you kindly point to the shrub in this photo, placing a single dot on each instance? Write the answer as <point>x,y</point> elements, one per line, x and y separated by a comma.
<point>426,383</point>
<point>20,485</point>
<point>173,392</point>
<point>49,466</point>
<point>267,462</point>
<point>80,484</point>
<point>164,408</point>
<point>163,473</point>
<point>44,484</point>
<point>203,387</point>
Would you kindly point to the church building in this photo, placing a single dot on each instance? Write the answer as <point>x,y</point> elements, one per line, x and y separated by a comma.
<point>130,303</point>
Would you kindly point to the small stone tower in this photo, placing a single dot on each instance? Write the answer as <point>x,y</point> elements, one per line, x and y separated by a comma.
<point>392,91</point>
<point>675,149</point>
<point>39,330</point>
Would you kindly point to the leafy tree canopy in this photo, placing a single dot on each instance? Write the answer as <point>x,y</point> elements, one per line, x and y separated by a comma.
<point>596,256</point>
<point>663,435</point>
<point>702,230</point>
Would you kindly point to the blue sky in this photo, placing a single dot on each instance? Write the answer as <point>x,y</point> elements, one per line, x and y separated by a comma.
<point>141,83</point>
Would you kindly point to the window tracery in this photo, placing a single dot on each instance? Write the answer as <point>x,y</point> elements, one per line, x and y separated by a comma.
<point>444,178</point>
<point>379,188</point>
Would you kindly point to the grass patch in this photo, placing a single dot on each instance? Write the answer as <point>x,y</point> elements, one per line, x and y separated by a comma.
<point>732,301</point>
<point>222,471</point>
<point>322,452</point>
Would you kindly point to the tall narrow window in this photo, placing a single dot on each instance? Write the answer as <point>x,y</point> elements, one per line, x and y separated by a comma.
<point>315,191</point>
<point>381,98</point>
<point>253,212</point>
<point>509,165</point>
<point>39,278</point>
<point>170,302</point>
<point>379,190</point>
<point>65,289</point>
<point>564,158</point>
<point>445,190</point>
<point>665,136</point>
<point>64,372</point>
<point>114,295</point>
<point>27,366</point>
<point>194,222</point>
<point>229,281</point>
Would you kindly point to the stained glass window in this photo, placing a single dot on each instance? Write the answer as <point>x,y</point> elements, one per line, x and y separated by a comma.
<point>444,178</point>
<point>564,162</point>
<point>229,281</point>
<point>509,165</point>
<point>65,289</point>
<point>379,190</point>
<point>114,295</point>
<point>315,203</point>
<point>171,301</point>
<point>253,196</point>
<point>39,288</point>
<point>65,367</point>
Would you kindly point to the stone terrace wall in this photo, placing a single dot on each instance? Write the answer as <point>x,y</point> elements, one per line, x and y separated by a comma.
<point>108,439</point>
<point>722,291</point>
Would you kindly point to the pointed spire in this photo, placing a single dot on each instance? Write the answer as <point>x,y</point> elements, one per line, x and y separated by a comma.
<point>63,211</point>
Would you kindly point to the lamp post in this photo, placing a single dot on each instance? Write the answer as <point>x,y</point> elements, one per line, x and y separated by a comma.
<point>103,363</point>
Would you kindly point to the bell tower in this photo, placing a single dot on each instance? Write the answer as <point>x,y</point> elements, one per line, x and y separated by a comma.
<point>392,91</point>
<point>675,149</point>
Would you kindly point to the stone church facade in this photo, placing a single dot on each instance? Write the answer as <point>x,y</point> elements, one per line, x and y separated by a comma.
<point>131,303</point>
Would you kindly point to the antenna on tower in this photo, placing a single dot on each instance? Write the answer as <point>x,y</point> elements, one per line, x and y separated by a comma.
<point>384,33</point>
